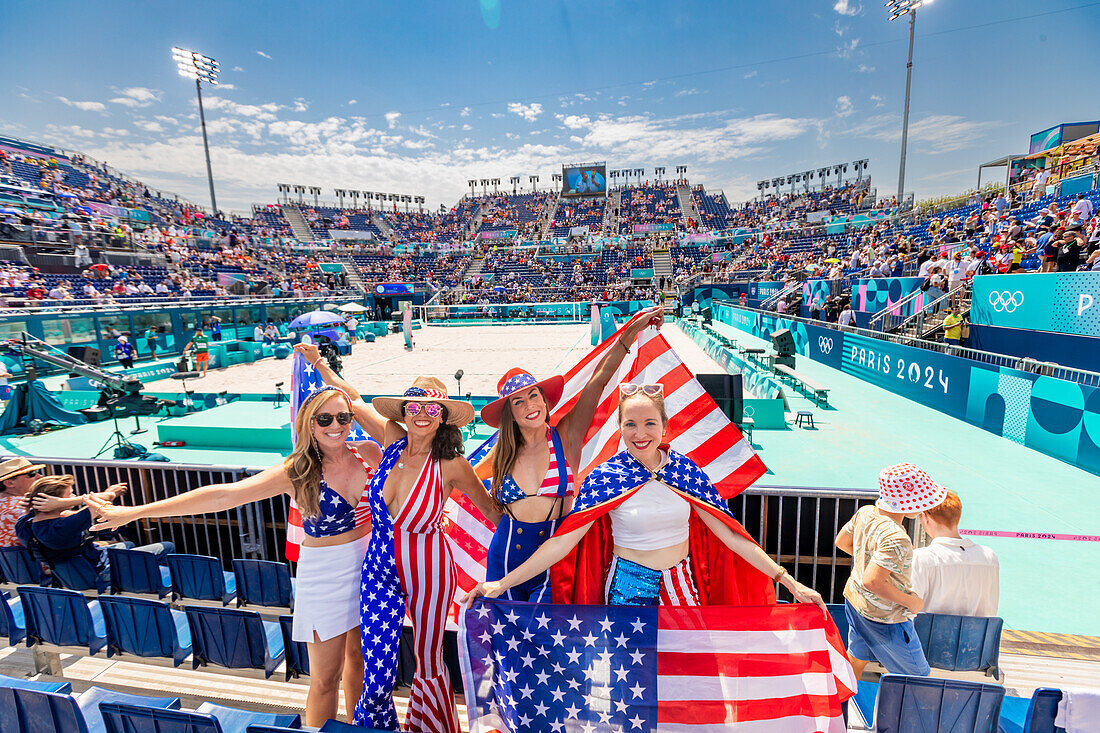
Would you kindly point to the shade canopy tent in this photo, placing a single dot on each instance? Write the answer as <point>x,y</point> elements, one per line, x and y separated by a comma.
<point>352,308</point>
<point>1005,162</point>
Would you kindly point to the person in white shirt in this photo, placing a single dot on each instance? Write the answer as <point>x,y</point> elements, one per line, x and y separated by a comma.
<point>952,574</point>
<point>1083,208</point>
<point>847,316</point>
<point>161,287</point>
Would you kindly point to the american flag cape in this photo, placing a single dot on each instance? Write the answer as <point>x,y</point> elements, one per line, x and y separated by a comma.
<point>669,669</point>
<point>304,381</point>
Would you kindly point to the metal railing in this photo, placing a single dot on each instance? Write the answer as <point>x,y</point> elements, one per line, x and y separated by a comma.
<point>144,304</point>
<point>771,301</point>
<point>892,317</point>
<point>916,320</point>
<point>1027,364</point>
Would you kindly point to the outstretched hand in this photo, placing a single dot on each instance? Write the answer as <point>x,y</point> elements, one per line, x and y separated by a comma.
<point>486,589</point>
<point>804,594</point>
<point>653,316</point>
<point>105,516</point>
<point>309,351</point>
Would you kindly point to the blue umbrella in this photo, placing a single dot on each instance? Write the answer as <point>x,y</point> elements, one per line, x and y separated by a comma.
<point>66,196</point>
<point>316,318</point>
<point>10,210</point>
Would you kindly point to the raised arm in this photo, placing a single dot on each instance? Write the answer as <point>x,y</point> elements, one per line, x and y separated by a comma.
<point>552,550</point>
<point>213,498</point>
<point>460,475</point>
<point>576,422</point>
<point>754,555</point>
<point>383,430</point>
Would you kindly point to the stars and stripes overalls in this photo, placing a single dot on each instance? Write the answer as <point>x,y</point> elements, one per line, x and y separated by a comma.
<point>514,541</point>
<point>408,566</point>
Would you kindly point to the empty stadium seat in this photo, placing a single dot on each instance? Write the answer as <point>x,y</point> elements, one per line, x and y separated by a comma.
<point>200,577</point>
<point>77,574</point>
<point>840,618</point>
<point>13,624</point>
<point>61,688</point>
<point>297,655</point>
<point>206,718</point>
<point>263,583</point>
<point>906,704</point>
<point>961,643</point>
<point>20,568</point>
<point>234,638</point>
<point>57,617</point>
<point>35,711</point>
<point>1034,715</point>
<point>134,571</point>
<point>145,628</point>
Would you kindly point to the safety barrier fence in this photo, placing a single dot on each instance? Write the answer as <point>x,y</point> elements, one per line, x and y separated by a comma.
<point>795,525</point>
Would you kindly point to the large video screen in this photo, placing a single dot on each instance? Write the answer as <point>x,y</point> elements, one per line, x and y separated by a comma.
<point>587,180</point>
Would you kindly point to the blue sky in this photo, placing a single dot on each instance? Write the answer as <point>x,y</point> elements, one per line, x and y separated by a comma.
<point>419,97</point>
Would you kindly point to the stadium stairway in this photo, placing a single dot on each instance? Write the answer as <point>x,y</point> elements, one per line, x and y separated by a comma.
<point>614,202</point>
<point>383,225</point>
<point>298,223</point>
<point>355,278</point>
<point>476,264</point>
<point>687,203</point>
<point>551,211</point>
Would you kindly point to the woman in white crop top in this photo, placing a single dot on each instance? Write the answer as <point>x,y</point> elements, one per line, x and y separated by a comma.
<point>662,508</point>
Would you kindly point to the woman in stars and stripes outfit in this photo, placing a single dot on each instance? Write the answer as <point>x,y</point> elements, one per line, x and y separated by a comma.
<point>408,564</point>
<point>327,478</point>
<point>663,535</point>
<point>532,464</point>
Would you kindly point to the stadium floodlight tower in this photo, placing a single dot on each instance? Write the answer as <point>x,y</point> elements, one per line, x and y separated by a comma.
<point>897,9</point>
<point>534,183</point>
<point>202,69</point>
<point>860,166</point>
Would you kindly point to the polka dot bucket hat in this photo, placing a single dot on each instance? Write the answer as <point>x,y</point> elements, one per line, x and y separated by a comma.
<point>906,489</point>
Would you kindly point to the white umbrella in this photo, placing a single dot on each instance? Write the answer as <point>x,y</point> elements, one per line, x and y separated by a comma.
<point>352,308</point>
<point>329,307</point>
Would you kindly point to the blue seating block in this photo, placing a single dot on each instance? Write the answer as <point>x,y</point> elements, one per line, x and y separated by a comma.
<point>27,710</point>
<point>234,638</point>
<point>62,617</point>
<point>336,726</point>
<point>13,624</point>
<point>77,574</point>
<point>18,566</point>
<point>840,618</point>
<point>145,628</point>
<point>200,577</point>
<point>263,583</point>
<point>207,718</point>
<point>297,654</point>
<point>235,720</point>
<point>1021,715</point>
<point>961,643</point>
<point>90,700</point>
<point>134,571</point>
<point>906,704</point>
<point>61,688</point>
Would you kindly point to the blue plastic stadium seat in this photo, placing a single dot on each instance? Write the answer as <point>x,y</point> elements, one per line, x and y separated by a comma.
<point>12,622</point>
<point>234,638</point>
<point>206,718</point>
<point>63,618</point>
<point>840,618</point>
<point>61,688</point>
<point>200,577</point>
<point>34,711</point>
<point>134,571</point>
<point>961,643</point>
<point>297,656</point>
<point>906,704</point>
<point>1021,715</point>
<point>145,628</point>
<point>336,726</point>
<point>19,567</point>
<point>77,574</point>
<point>263,583</point>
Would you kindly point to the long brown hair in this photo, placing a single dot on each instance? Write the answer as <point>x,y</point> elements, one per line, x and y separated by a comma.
<point>447,442</point>
<point>506,450</point>
<point>303,465</point>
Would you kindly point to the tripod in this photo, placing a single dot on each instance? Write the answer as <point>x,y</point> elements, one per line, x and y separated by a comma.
<point>280,396</point>
<point>116,439</point>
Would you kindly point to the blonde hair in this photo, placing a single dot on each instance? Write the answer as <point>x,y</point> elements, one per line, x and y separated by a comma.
<point>658,401</point>
<point>303,465</point>
<point>50,486</point>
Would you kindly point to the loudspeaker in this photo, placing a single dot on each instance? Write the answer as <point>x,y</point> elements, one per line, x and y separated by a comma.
<point>86,354</point>
<point>783,342</point>
<point>727,391</point>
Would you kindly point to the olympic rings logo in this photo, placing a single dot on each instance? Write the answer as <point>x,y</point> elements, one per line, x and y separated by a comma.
<point>824,344</point>
<point>1005,301</point>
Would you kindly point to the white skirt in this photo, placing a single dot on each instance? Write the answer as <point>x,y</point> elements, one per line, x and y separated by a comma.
<point>326,596</point>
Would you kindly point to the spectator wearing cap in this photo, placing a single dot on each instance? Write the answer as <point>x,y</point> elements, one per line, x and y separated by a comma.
<point>124,352</point>
<point>953,574</point>
<point>16,477</point>
<point>878,598</point>
<point>1083,208</point>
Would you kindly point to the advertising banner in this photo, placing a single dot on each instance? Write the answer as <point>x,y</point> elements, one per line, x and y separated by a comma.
<point>1061,302</point>
<point>393,289</point>
<point>498,234</point>
<point>659,227</point>
<point>876,294</point>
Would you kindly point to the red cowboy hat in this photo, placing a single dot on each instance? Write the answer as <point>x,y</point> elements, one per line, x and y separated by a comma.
<point>515,380</point>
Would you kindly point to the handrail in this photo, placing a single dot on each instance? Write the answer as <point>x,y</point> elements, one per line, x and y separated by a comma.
<point>1027,364</point>
<point>918,316</point>
<point>771,300</point>
<point>893,310</point>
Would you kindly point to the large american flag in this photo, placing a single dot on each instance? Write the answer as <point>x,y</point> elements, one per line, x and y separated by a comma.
<point>591,669</point>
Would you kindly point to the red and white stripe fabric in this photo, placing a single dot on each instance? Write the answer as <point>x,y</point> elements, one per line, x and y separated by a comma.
<point>751,669</point>
<point>697,426</point>
<point>549,485</point>
<point>678,586</point>
<point>294,532</point>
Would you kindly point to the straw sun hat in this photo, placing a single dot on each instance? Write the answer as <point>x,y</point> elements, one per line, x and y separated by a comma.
<point>425,389</point>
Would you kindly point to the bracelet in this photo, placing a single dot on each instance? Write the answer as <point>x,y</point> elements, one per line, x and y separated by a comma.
<point>779,576</point>
<point>316,361</point>
<point>624,346</point>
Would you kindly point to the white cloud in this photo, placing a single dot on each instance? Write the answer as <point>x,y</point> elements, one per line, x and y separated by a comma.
<point>844,7</point>
<point>750,74</point>
<point>879,101</point>
<point>113,132</point>
<point>86,106</point>
<point>466,127</point>
<point>300,105</point>
<point>223,86</point>
<point>353,101</point>
<point>237,68</point>
<point>391,119</point>
<point>687,92</point>
<point>149,125</point>
<point>465,112</point>
<point>844,106</point>
<point>262,112</point>
<point>938,133</point>
<point>529,112</point>
<point>137,97</point>
<point>847,49</point>
<point>865,69</point>
<point>261,53</point>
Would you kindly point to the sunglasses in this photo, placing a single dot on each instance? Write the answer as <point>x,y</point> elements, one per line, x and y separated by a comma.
<point>430,409</point>
<point>324,419</point>
<point>629,388</point>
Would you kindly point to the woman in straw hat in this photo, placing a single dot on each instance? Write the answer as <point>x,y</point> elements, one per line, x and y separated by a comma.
<point>532,464</point>
<point>327,477</point>
<point>408,564</point>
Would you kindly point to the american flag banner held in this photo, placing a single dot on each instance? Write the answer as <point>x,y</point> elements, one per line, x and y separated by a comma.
<point>628,669</point>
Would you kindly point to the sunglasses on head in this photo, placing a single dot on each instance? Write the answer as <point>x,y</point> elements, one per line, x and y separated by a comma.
<point>430,409</point>
<point>629,388</point>
<point>324,419</point>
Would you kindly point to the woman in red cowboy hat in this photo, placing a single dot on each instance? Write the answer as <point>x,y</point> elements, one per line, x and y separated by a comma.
<point>532,464</point>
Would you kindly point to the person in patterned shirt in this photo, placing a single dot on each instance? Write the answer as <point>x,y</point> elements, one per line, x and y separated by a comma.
<point>878,598</point>
<point>16,477</point>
